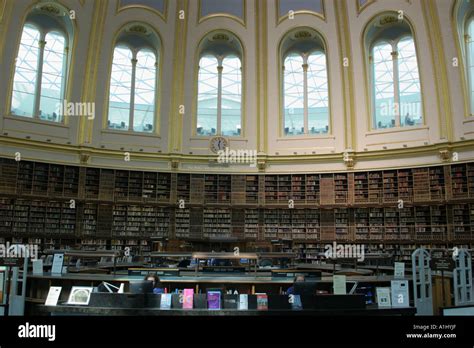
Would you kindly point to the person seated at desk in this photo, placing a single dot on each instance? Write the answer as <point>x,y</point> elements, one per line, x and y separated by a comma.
<point>157,286</point>
<point>291,289</point>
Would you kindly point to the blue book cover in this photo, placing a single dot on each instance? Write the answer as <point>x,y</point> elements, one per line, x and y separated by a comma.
<point>214,300</point>
<point>165,301</point>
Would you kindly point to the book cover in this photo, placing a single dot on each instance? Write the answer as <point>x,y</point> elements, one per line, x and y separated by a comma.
<point>296,302</point>
<point>165,301</point>
<point>214,300</point>
<point>383,297</point>
<point>231,301</point>
<point>262,302</point>
<point>188,298</point>
<point>244,302</point>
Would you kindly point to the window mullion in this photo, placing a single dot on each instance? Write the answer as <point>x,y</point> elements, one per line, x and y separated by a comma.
<point>64,79</point>
<point>39,76</point>
<point>132,94</point>
<point>305,92</point>
<point>220,68</point>
<point>396,87</point>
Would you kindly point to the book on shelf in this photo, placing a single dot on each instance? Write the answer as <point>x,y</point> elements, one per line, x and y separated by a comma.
<point>262,302</point>
<point>214,300</point>
<point>243,302</point>
<point>188,298</point>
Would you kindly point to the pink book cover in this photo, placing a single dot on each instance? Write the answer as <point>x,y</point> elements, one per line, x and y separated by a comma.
<point>188,298</point>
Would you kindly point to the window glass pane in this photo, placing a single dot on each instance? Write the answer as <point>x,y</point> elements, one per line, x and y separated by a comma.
<point>120,89</point>
<point>24,83</point>
<point>409,81</point>
<point>470,62</point>
<point>383,84</point>
<point>231,96</point>
<point>293,106</point>
<point>207,96</point>
<point>144,113</point>
<point>318,94</point>
<point>52,78</point>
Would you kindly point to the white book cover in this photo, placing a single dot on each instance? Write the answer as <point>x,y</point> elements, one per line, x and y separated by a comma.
<point>165,302</point>
<point>399,270</point>
<point>53,296</point>
<point>243,302</point>
<point>339,284</point>
<point>383,297</point>
<point>38,266</point>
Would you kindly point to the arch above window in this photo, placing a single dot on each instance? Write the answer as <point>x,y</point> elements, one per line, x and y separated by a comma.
<point>219,85</point>
<point>314,7</point>
<point>234,9</point>
<point>39,84</point>
<point>305,87</point>
<point>133,86</point>
<point>157,6</point>
<point>394,79</point>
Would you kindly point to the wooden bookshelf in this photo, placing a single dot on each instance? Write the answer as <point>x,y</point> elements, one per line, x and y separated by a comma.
<point>252,223</point>
<point>361,223</point>
<point>182,223</point>
<point>422,223</point>
<point>224,189</point>
<point>361,188</point>
<point>313,189</point>
<point>462,222</point>
<point>271,224</point>
<point>405,185</point>
<point>210,188</point>
<point>376,223</point>
<point>459,181</point>
<point>375,187</point>
<point>341,189</point>
<point>327,189</point>
<point>391,223</point>
<point>238,189</point>
<point>197,190</point>
<point>390,186</point>
<point>140,206</point>
<point>251,189</point>
<point>421,185</point>
<point>313,224</point>
<point>298,188</point>
<point>298,224</point>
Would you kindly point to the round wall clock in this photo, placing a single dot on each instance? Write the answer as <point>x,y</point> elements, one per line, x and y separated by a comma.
<point>217,144</point>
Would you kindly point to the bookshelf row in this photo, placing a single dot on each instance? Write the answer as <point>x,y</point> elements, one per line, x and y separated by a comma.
<point>417,185</point>
<point>311,252</point>
<point>29,218</point>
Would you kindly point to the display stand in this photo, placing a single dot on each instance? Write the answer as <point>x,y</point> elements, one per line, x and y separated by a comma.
<point>422,287</point>
<point>462,278</point>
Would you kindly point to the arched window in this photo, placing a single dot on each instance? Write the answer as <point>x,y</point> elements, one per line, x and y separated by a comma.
<point>41,65</point>
<point>469,39</point>
<point>305,84</point>
<point>394,76</point>
<point>133,81</point>
<point>463,17</point>
<point>219,95</point>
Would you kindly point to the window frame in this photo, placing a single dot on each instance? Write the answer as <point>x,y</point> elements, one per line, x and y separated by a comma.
<point>135,50</point>
<point>468,59</point>
<point>396,81</point>
<point>220,59</point>
<point>35,116</point>
<point>305,56</point>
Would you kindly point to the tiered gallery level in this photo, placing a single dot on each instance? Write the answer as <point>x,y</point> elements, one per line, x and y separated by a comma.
<point>63,206</point>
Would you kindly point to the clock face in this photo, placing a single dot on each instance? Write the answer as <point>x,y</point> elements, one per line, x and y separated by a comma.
<point>218,144</point>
